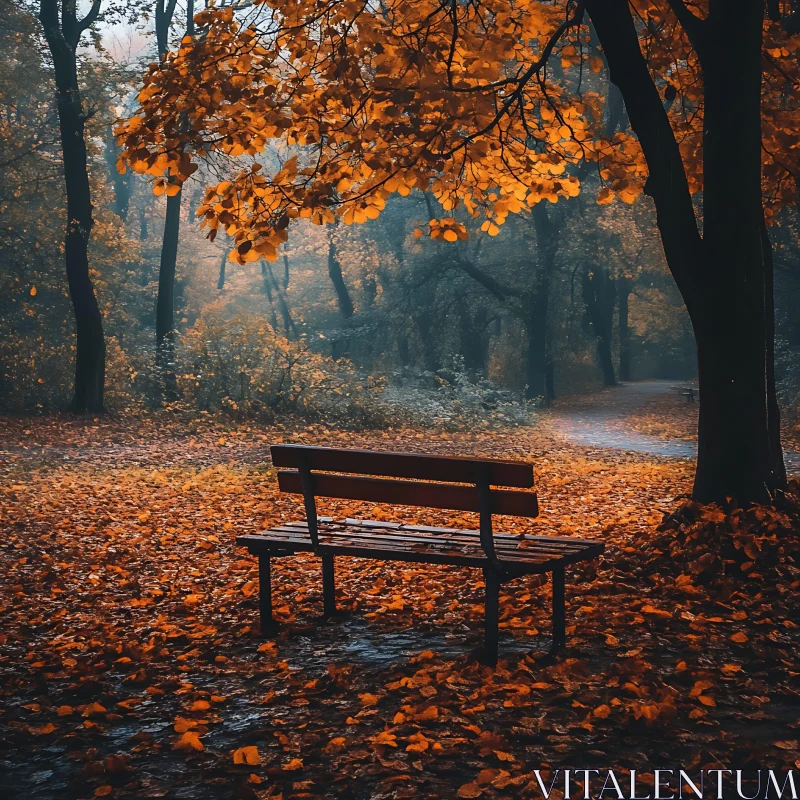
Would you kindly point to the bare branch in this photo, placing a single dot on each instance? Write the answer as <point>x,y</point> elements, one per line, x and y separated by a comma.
<point>91,16</point>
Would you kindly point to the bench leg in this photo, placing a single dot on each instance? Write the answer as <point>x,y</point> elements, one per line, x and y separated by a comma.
<point>265,594</point>
<point>492,610</point>
<point>328,586</point>
<point>559,611</point>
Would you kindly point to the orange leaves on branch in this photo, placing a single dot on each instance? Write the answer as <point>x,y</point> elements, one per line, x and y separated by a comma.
<point>410,122</point>
<point>447,230</point>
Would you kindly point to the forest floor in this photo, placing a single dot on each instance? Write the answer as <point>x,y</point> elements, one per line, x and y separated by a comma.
<point>131,665</point>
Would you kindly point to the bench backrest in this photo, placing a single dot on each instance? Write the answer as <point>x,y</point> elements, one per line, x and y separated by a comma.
<point>430,481</point>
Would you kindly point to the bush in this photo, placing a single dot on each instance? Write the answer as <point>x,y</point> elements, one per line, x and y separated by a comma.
<point>243,367</point>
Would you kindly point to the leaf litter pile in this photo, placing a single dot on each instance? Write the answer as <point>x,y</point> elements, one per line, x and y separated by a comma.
<point>131,664</point>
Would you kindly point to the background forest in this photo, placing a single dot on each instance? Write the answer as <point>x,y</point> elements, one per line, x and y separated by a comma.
<point>357,323</point>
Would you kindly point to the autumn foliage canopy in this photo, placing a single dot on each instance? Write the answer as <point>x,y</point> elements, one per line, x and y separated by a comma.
<point>492,106</point>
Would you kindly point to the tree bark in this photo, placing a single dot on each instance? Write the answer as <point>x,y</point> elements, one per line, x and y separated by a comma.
<point>725,278</point>
<point>62,39</point>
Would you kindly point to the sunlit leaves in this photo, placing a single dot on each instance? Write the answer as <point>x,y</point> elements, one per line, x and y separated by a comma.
<point>416,119</point>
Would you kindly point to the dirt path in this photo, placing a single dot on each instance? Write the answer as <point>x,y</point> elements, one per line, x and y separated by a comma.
<point>599,421</point>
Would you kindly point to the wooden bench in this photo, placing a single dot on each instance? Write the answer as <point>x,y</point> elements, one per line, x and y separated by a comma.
<point>689,392</point>
<point>461,484</point>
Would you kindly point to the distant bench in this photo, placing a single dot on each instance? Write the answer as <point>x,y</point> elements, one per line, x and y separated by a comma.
<point>501,556</point>
<point>689,392</point>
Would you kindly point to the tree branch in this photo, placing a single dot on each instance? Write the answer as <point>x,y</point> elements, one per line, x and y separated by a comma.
<point>667,183</point>
<point>494,287</point>
<point>91,16</point>
<point>694,26</point>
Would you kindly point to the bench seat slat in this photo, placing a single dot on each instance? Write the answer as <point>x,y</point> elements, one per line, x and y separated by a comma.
<point>454,469</point>
<point>461,547</point>
<point>509,549</point>
<point>368,524</point>
<point>411,493</point>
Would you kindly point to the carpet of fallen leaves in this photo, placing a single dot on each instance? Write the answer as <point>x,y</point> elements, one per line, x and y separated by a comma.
<point>131,665</point>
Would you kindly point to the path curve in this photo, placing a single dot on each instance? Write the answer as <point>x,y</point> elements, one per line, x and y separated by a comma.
<point>599,421</point>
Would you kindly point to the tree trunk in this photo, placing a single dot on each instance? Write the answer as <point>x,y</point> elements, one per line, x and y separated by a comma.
<point>120,181</point>
<point>726,277</point>
<point>337,279</point>
<point>536,355</point>
<point>90,346</point>
<point>540,361</point>
<point>289,327</point>
<point>739,435</point>
<point>599,293</point>
<point>473,336</point>
<point>222,264</point>
<point>624,287</point>
<point>430,356</point>
<point>165,304</point>
<point>143,232</point>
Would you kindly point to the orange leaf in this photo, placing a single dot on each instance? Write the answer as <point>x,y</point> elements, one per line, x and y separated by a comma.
<point>247,755</point>
<point>189,741</point>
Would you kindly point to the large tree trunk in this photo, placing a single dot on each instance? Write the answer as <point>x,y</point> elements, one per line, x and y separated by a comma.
<point>90,351</point>
<point>738,452</point>
<point>726,277</point>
